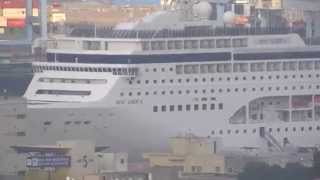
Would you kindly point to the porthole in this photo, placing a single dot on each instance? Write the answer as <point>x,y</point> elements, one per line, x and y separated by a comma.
<point>254,131</point>
<point>244,78</point>
<point>188,91</point>
<point>203,91</point>
<point>277,76</point>
<point>310,76</point>
<point>154,81</point>
<point>138,82</point>
<point>211,79</point>
<point>171,92</point>
<point>171,69</point>
<point>146,93</point>
<point>301,75</point>
<point>269,77</point>
<point>261,77</point>
<point>187,80</point>
<point>130,93</point>
<point>220,78</point>
<point>261,89</point>
<point>228,78</point>
<point>147,70</point>
<point>163,92</point>
<point>237,131</point>
<point>195,80</point>
<point>147,81</point>
<point>220,90</point>
<point>171,80</point>
<point>253,78</point>
<point>154,69</point>
<point>196,91</point>
<point>179,80</point>
<point>122,94</point>
<point>203,79</point>
<point>138,93</point>
<point>163,81</point>
<point>212,90</point>
<point>154,92</point>
<point>162,70</point>
<point>179,92</point>
<point>286,76</point>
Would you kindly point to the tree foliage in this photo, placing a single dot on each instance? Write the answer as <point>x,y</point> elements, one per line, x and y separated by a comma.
<point>262,171</point>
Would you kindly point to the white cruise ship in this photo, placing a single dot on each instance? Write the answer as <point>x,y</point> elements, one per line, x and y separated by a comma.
<point>183,70</point>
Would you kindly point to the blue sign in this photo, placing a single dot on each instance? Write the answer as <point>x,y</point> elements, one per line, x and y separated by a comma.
<point>48,161</point>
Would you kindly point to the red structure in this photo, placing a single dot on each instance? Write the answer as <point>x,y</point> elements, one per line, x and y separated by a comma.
<point>14,11</point>
<point>17,4</point>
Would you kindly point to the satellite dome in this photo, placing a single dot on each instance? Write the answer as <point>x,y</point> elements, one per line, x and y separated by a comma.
<point>202,10</point>
<point>229,17</point>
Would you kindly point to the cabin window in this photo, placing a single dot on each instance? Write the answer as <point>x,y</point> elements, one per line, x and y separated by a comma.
<point>91,45</point>
<point>106,45</point>
<point>145,46</point>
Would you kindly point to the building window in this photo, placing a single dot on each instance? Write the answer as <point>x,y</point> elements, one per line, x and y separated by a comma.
<point>163,108</point>
<point>204,107</point>
<point>212,106</point>
<point>171,108</point>
<point>196,107</point>
<point>188,107</point>
<point>155,108</point>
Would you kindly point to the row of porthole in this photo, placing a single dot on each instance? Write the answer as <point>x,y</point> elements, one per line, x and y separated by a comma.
<point>48,123</point>
<point>245,131</point>
<point>220,79</point>
<point>187,107</point>
<point>161,69</point>
<point>204,91</point>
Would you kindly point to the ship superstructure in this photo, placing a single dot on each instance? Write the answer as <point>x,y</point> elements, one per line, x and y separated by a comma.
<point>253,87</point>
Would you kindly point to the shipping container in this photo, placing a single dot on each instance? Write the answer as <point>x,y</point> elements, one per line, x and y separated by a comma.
<point>17,13</point>
<point>3,21</point>
<point>16,23</point>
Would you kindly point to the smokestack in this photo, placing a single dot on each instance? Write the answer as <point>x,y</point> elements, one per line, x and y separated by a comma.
<point>29,20</point>
<point>43,19</point>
